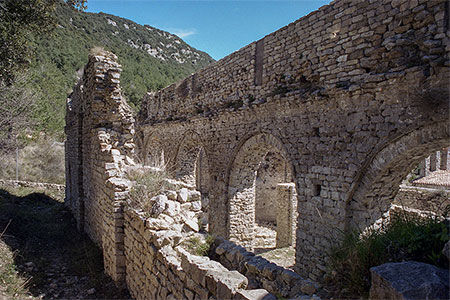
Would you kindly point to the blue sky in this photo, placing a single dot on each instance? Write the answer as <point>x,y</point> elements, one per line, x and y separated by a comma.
<point>216,27</point>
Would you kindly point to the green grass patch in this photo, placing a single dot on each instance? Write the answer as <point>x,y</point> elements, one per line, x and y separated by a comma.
<point>197,246</point>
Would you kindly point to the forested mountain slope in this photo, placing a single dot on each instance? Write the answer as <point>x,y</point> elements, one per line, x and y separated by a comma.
<point>151,59</point>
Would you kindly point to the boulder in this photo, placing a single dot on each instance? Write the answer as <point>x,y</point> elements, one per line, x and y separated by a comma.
<point>409,280</point>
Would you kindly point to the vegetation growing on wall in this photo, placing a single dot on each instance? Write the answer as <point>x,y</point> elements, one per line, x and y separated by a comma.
<point>404,238</point>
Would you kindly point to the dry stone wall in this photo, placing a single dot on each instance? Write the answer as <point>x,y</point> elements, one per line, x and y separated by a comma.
<point>424,199</point>
<point>158,270</point>
<point>99,146</point>
<point>356,93</point>
<point>260,272</point>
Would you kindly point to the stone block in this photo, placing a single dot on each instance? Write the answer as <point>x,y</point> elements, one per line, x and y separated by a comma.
<point>259,294</point>
<point>409,280</point>
<point>183,195</point>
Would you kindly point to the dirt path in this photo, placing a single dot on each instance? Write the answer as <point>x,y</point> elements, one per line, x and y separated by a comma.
<point>57,261</point>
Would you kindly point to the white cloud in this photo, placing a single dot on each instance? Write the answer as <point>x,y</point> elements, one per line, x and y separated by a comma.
<point>183,33</point>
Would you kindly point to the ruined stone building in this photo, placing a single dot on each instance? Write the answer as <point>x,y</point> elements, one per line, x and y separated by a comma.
<point>311,129</point>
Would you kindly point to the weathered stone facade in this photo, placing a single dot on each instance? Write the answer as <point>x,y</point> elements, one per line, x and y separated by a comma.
<point>348,99</point>
<point>351,97</point>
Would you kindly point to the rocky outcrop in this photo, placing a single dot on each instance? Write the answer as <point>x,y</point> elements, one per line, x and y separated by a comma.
<point>409,280</point>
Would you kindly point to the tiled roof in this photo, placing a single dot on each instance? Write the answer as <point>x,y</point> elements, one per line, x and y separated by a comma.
<point>436,178</point>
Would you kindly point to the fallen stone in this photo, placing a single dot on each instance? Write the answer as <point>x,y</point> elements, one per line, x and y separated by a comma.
<point>409,280</point>
<point>159,204</point>
<point>191,225</point>
<point>183,195</point>
<point>259,294</point>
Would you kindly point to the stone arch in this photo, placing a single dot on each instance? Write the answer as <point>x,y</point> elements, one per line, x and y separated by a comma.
<point>243,174</point>
<point>191,162</point>
<point>380,180</point>
<point>152,153</point>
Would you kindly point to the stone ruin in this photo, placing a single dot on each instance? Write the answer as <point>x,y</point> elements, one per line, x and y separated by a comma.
<point>306,132</point>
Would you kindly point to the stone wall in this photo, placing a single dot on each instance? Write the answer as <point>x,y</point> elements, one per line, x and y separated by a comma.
<point>99,146</point>
<point>157,270</point>
<point>39,185</point>
<point>260,272</point>
<point>353,96</point>
<point>424,199</point>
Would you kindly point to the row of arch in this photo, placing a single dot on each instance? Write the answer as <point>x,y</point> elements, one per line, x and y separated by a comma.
<point>260,154</point>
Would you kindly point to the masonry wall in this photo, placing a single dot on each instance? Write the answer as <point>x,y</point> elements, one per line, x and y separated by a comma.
<point>99,146</point>
<point>157,270</point>
<point>424,199</point>
<point>356,93</point>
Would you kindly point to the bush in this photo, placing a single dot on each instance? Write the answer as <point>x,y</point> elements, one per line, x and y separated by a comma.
<point>403,238</point>
<point>147,183</point>
<point>197,246</point>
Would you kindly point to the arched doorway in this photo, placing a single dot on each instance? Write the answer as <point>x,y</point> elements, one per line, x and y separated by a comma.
<point>261,191</point>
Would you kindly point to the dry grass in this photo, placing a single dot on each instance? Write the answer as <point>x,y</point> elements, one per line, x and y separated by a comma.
<point>148,182</point>
<point>40,161</point>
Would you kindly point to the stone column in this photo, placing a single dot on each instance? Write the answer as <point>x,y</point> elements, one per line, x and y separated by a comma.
<point>433,162</point>
<point>444,159</point>
<point>422,165</point>
<point>285,214</point>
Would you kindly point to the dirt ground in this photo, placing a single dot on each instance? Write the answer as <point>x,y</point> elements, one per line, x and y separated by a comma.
<point>51,258</point>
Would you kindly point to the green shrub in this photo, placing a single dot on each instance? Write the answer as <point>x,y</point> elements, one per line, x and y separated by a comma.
<point>404,238</point>
<point>196,246</point>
